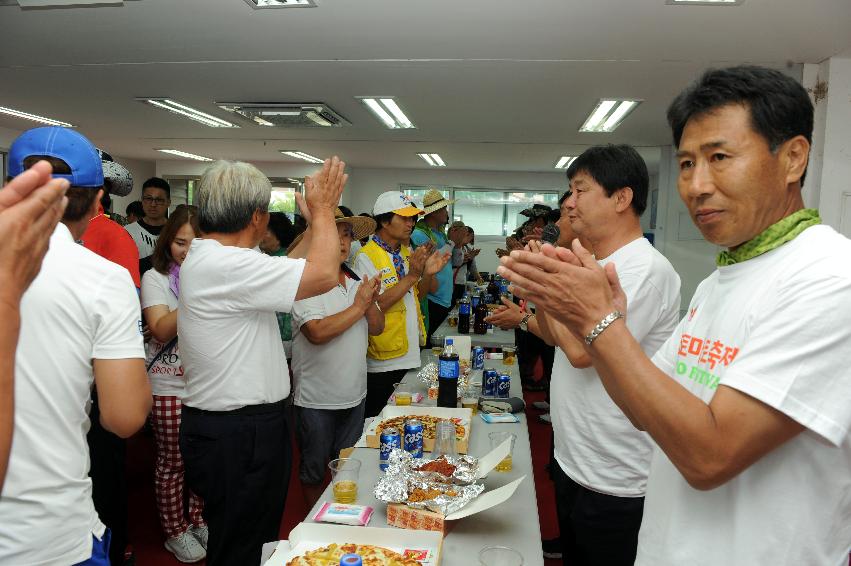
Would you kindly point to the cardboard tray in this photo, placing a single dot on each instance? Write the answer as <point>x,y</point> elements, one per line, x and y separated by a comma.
<point>310,536</point>
<point>390,411</point>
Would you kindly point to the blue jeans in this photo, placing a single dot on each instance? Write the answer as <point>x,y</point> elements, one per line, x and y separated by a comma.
<point>100,551</point>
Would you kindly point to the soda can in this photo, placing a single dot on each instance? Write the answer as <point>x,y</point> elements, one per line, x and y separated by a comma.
<point>414,437</point>
<point>490,377</point>
<point>389,439</point>
<point>478,357</point>
<point>503,386</point>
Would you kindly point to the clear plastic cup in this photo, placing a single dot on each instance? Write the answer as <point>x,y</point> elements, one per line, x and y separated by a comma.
<point>344,479</point>
<point>497,438</point>
<point>444,442</point>
<point>508,355</point>
<point>500,556</point>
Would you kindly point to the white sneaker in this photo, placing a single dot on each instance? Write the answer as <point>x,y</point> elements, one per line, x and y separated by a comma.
<point>185,548</point>
<point>542,405</point>
<point>201,534</point>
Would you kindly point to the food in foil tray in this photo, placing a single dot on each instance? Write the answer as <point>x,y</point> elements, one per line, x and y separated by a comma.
<point>371,555</point>
<point>443,485</point>
<point>429,425</point>
<point>428,375</point>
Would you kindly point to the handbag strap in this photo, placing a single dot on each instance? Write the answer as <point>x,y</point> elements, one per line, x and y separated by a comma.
<point>169,346</point>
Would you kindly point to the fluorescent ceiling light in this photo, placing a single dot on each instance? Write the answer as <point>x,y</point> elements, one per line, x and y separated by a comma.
<point>33,117</point>
<point>256,4</point>
<point>565,161</point>
<point>432,159</point>
<point>388,111</point>
<point>608,115</point>
<point>303,156</point>
<point>705,2</point>
<point>188,112</point>
<point>179,153</point>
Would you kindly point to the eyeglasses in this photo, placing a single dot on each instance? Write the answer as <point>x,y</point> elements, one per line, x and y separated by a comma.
<point>151,200</point>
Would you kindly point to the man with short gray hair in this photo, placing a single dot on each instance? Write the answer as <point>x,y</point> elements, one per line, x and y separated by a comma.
<point>233,437</point>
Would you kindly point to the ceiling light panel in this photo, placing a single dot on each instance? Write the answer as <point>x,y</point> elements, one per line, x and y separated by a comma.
<point>565,161</point>
<point>262,4</point>
<point>302,155</point>
<point>705,2</point>
<point>287,114</point>
<point>432,159</point>
<point>608,115</point>
<point>185,154</point>
<point>33,117</point>
<point>187,112</point>
<point>387,110</point>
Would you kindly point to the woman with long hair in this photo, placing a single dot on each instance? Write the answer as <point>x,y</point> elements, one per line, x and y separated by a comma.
<point>186,538</point>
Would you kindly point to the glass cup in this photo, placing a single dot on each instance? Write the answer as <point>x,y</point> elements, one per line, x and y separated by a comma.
<point>344,479</point>
<point>470,400</point>
<point>508,355</point>
<point>500,556</point>
<point>437,344</point>
<point>444,441</point>
<point>403,396</point>
<point>497,438</point>
<point>452,318</point>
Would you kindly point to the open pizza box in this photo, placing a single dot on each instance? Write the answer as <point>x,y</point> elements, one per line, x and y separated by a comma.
<point>310,536</point>
<point>404,517</point>
<point>391,411</point>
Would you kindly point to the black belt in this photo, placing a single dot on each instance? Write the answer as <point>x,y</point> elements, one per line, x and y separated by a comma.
<point>248,410</point>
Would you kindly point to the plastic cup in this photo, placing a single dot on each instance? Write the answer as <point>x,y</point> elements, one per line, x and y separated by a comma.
<point>508,355</point>
<point>403,397</point>
<point>500,556</point>
<point>344,479</point>
<point>497,438</point>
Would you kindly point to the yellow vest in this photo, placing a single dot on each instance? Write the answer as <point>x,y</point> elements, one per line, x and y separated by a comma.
<point>393,342</point>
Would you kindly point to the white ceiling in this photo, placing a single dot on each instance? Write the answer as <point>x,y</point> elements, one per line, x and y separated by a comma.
<point>491,84</point>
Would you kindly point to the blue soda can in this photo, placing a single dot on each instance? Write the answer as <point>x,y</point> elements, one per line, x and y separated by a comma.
<point>490,377</point>
<point>503,386</point>
<point>414,437</point>
<point>389,439</point>
<point>478,357</point>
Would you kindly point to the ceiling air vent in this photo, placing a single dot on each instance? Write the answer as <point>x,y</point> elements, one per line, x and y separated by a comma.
<point>287,114</point>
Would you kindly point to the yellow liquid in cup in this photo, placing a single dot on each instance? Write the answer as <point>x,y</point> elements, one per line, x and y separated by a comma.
<point>403,398</point>
<point>470,403</point>
<point>505,465</point>
<point>437,350</point>
<point>508,358</point>
<point>346,491</point>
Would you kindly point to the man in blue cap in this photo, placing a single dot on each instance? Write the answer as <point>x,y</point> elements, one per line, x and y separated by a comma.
<point>80,326</point>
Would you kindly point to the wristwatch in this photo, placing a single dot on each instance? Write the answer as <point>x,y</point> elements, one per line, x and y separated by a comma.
<point>524,324</point>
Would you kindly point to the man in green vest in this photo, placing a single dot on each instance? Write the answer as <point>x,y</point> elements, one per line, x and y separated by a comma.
<point>404,275</point>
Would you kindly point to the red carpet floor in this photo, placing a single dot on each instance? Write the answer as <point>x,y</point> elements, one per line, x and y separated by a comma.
<point>147,538</point>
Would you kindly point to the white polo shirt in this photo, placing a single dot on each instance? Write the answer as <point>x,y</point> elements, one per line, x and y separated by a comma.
<point>80,307</point>
<point>330,375</point>
<point>230,343</point>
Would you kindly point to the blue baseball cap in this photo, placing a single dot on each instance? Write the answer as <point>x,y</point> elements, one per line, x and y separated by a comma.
<point>70,146</point>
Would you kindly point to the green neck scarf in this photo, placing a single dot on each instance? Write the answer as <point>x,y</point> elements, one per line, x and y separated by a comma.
<point>772,237</point>
<point>432,234</point>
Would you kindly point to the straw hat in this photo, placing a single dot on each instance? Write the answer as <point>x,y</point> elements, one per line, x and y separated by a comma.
<point>434,200</point>
<point>362,226</point>
<point>537,211</point>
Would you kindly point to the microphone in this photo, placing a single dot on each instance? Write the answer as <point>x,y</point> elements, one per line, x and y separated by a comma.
<point>550,234</point>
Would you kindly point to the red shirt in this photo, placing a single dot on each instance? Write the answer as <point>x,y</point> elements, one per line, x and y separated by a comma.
<point>108,239</point>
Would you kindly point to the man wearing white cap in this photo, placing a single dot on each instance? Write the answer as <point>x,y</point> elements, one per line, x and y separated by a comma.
<point>403,275</point>
<point>430,230</point>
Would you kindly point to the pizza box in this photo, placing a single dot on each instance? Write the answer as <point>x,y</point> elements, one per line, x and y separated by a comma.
<point>310,536</point>
<point>390,411</point>
<point>404,517</point>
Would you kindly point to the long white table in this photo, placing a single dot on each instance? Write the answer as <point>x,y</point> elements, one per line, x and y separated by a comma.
<point>514,523</point>
<point>497,339</point>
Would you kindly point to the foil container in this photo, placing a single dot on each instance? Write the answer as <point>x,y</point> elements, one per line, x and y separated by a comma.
<point>401,478</point>
<point>428,375</point>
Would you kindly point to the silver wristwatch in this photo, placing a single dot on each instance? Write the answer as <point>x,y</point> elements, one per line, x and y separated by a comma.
<point>524,324</point>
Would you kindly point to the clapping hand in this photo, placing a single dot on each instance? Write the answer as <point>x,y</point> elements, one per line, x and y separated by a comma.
<point>367,292</point>
<point>436,261</point>
<point>30,207</point>
<point>507,316</point>
<point>323,189</point>
<point>417,259</point>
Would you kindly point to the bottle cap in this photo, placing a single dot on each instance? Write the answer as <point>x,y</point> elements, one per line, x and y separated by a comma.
<point>448,342</point>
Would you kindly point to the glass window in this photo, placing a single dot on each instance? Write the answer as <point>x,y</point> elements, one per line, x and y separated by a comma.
<point>418,192</point>
<point>483,210</point>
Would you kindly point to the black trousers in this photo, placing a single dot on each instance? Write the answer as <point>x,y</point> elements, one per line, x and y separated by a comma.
<point>529,349</point>
<point>596,529</point>
<point>238,462</point>
<point>379,387</point>
<point>107,455</point>
<point>436,315</point>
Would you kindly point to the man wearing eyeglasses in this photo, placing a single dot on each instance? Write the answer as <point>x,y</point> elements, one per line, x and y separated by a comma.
<point>156,198</point>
